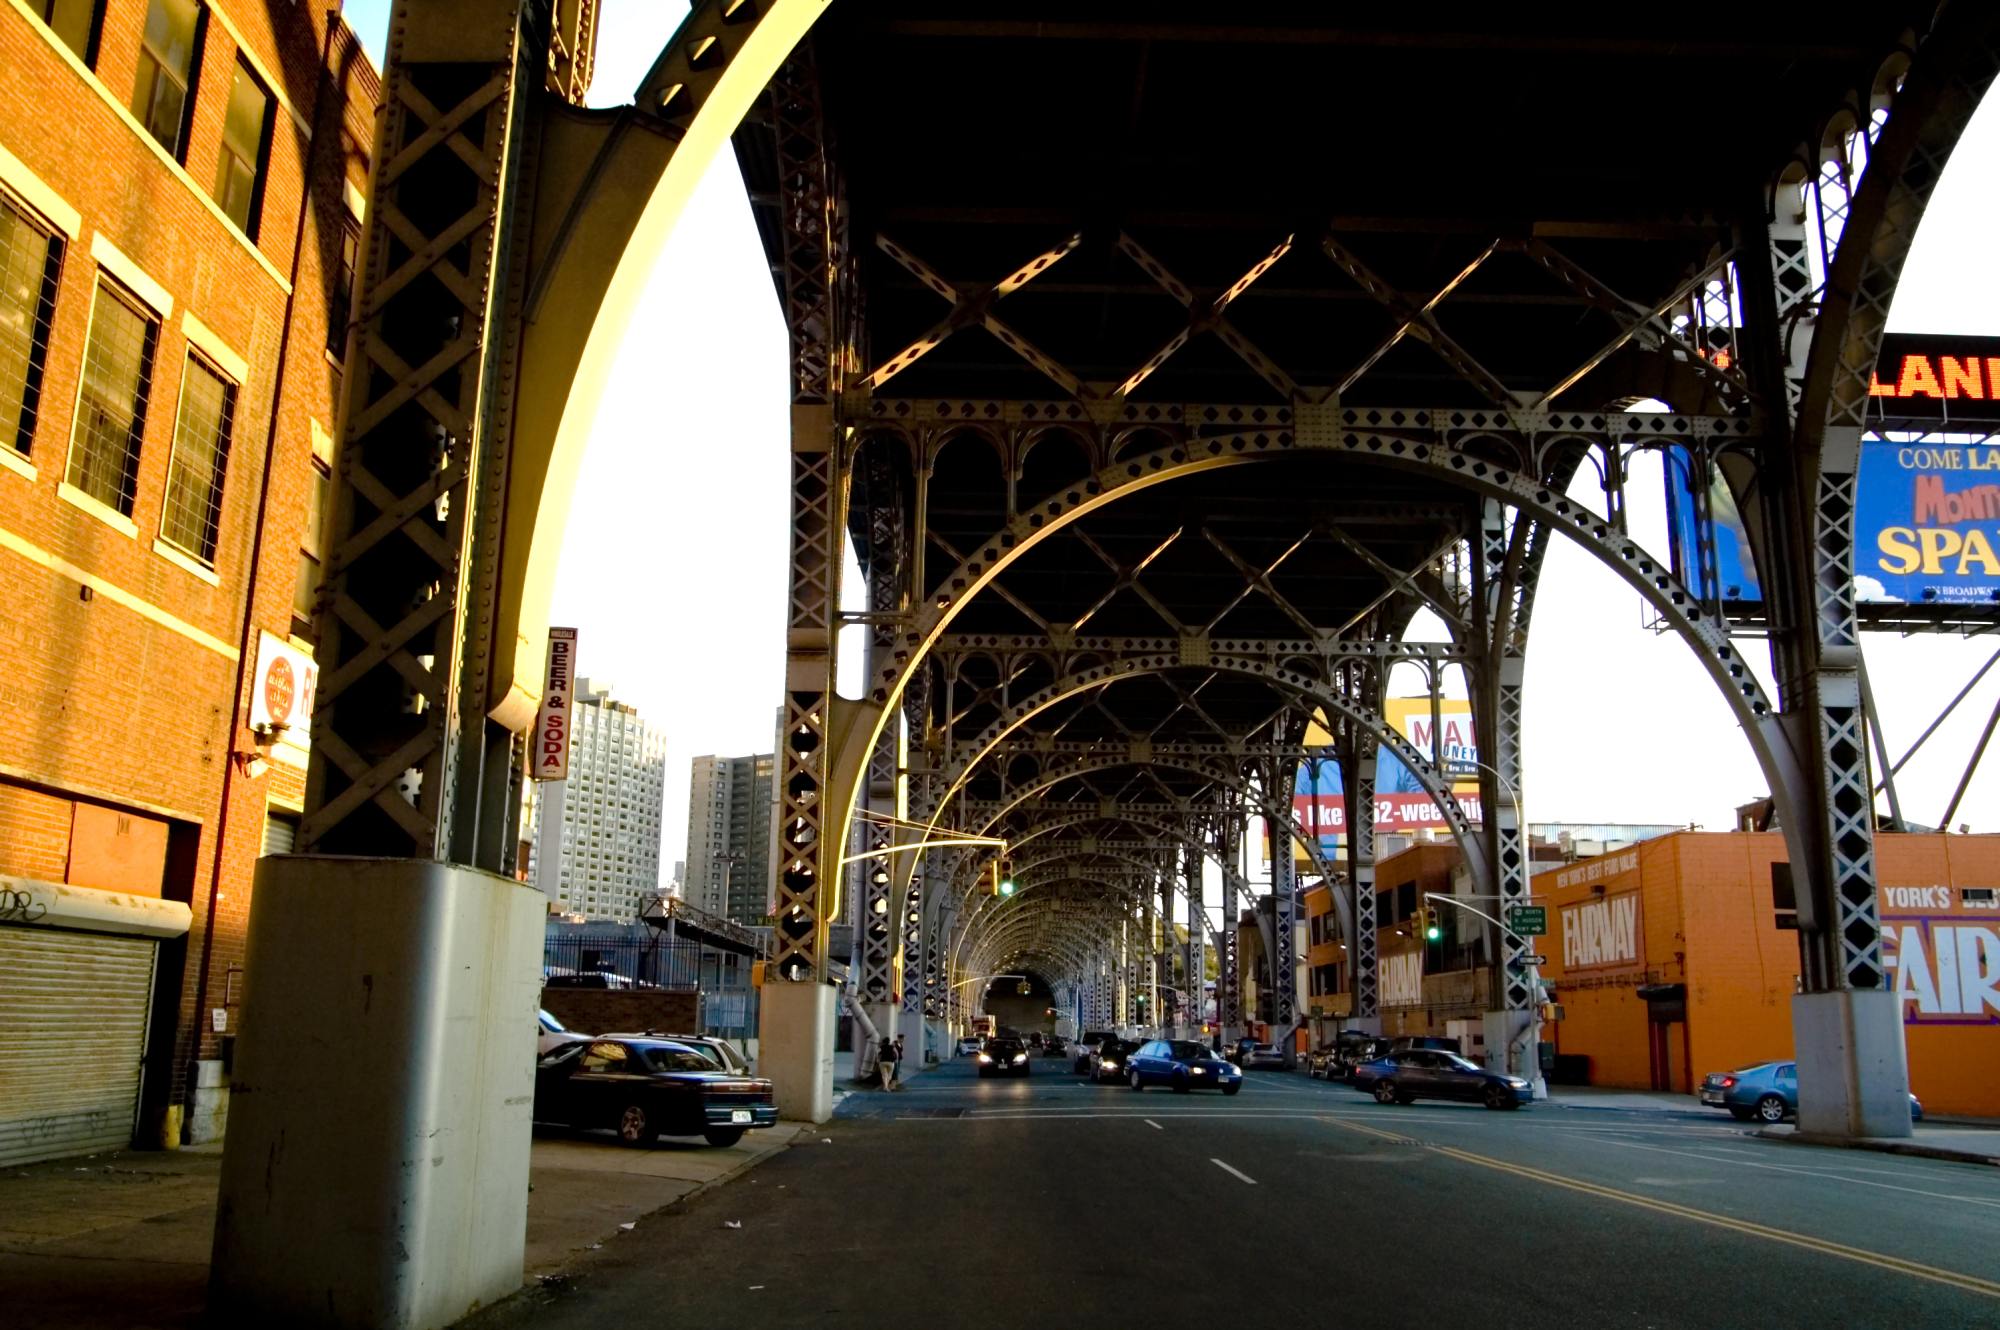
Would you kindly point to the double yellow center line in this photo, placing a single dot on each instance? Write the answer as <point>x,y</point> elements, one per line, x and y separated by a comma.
<point>1916,1269</point>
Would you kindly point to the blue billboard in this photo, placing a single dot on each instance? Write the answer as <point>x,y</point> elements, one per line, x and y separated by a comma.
<point>1927,521</point>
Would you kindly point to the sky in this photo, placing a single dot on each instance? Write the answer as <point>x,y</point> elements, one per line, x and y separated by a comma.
<point>673,569</point>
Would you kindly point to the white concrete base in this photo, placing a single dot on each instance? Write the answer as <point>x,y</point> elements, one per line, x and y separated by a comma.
<point>1853,1076</point>
<point>208,1103</point>
<point>795,1048</point>
<point>1511,1039</point>
<point>376,1168</point>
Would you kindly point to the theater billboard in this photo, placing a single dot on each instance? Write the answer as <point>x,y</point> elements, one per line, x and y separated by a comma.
<point>1402,805</point>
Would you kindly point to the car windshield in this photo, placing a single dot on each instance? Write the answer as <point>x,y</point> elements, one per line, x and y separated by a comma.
<point>1753,1067</point>
<point>676,1059</point>
<point>1188,1051</point>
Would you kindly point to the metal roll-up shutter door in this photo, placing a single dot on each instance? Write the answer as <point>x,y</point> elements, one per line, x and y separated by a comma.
<point>73,1012</point>
<point>281,833</point>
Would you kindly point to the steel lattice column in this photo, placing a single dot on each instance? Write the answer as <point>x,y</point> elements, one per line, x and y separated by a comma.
<point>1228,989</point>
<point>1164,953</point>
<point>1197,962</point>
<point>405,616</point>
<point>1500,679</point>
<point>1284,916</point>
<point>1358,780</point>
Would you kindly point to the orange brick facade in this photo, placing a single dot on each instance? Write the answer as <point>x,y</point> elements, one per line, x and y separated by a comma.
<point>127,665</point>
<point>1700,911</point>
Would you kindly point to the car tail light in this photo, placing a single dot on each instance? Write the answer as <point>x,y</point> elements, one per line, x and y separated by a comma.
<point>1727,1081</point>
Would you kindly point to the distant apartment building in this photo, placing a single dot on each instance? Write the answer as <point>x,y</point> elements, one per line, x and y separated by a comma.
<point>596,847</point>
<point>182,188</point>
<point>729,836</point>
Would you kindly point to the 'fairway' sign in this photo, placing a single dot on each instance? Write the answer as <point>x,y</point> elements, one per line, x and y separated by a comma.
<point>551,744</point>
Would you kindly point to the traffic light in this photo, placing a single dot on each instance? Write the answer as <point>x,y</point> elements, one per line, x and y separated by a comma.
<point>1003,878</point>
<point>1429,924</point>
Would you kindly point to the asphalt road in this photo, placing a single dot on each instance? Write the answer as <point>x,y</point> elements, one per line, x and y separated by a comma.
<point>1046,1202</point>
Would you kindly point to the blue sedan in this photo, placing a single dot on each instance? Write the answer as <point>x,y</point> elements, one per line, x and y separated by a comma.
<point>1430,1073</point>
<point>1183,1064</point>
<point>1765,1091</point>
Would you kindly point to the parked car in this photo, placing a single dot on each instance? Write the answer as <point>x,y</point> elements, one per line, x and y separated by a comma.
<point>1236,1051</point>
<point>1765,1092</point>
<point>1056,1046</point>
<point>588,979</point>
<point>968,1046</point>
<point>1356,1048</point>
<point>644,1088</point>
<point>551,1034</point>
<point>1109,1061</point>
<point>1429,1073</point>
<point>1262,1057</point>
<point>1004,1057</point>
<point>1085,1061</point>
<point>719,1051</point>
<point>1183,1065</point>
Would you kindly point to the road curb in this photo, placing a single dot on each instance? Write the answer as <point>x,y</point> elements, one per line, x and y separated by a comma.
<point>1879,1147</point>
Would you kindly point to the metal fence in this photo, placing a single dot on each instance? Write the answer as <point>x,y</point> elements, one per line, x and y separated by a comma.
<point>722,978</point>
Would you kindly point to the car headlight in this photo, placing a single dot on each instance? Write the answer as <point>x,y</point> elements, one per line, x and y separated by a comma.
<point>1108,1064</point>
<point>1020,1057</point>
<point>1517,1083</point>
<point>985,1057</point>
<point>1197,1071</point>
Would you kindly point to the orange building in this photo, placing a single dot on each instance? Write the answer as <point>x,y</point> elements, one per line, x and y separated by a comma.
<point>1679,957</point>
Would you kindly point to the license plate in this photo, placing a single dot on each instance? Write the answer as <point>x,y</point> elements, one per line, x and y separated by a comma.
<point>739,1115</point>
<point>1710,1097</point>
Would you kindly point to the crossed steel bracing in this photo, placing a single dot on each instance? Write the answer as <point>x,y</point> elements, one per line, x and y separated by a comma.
<point>1167,418</point>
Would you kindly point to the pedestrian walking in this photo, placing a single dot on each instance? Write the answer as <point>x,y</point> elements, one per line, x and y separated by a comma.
<point>899,1061</point>
<point>885,1061</point>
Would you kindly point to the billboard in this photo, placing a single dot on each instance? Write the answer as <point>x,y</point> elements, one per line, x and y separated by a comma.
<point>1401,804</point>
<point>1927,522</point>
<point>1927,488</point>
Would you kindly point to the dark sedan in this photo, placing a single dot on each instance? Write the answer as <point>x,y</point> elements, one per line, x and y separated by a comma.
<point>643,1088</point>
<point>1183,1065</point>
<point>1004,1057</point>
<point>1109,1062</point>
<point>1428,1073</point>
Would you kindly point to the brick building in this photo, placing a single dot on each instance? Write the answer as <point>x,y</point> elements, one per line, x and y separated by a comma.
<point>181,183</point>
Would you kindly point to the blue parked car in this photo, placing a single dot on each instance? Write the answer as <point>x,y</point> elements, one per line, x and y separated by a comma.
<point>1765,1091</point>
<point>1430,1073</point>
<point>1183,1064</point>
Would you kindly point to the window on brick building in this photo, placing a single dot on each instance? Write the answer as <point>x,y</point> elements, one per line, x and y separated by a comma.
<point>162,97</point>
<point>340,292</point>
<point>312,551</point>
<point>246,145</point>
<point>111,408</point>
<point>193,514</point>
<point>30,261</point>
<point>74,21</point>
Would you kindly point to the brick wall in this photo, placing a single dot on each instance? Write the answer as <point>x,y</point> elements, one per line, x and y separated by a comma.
<point>129,672</point>
<point>609,1011</point>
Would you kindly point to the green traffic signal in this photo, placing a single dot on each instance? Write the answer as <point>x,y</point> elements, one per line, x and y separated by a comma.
<point>1006,886</point>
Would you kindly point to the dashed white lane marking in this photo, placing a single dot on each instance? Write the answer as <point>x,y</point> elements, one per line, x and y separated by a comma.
<point>1233,1172</point>
<point>1154,1125</point>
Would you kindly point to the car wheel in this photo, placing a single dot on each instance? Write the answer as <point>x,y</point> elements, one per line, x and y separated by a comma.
<point>1181,1083</point>
<point>1134,1081</point>
<point>635,1125</point>
<point>1770,1109</point>
<point>723,1137</point>
<point>1498,1096</point>
<point>1385,1092</point>
<point>1741,1114</point>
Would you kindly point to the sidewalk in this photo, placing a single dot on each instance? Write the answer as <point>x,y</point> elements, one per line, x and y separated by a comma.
<point>123,1239</point>
<point>1961,1140</point>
